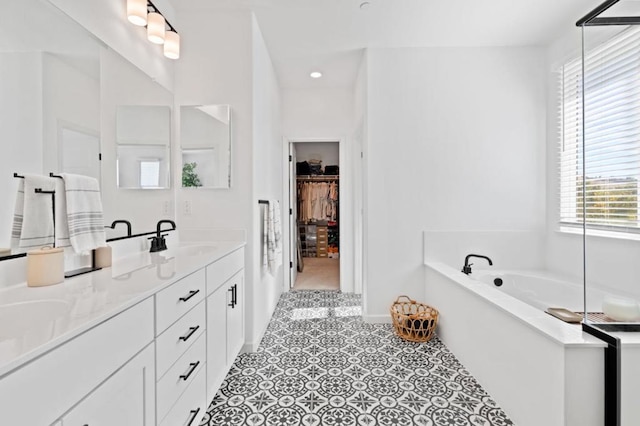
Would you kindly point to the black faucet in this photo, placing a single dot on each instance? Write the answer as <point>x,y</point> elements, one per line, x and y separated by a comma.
<point>126,222</point>
<point>158,243</point>
<point>467,266</point>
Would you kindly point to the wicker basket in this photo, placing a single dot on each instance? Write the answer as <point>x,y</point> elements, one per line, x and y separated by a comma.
<point>413,321</point>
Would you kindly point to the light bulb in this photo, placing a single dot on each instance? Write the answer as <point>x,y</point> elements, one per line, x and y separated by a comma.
<point>137,12</point>
<point>172,45</point>
<point>155,28</point>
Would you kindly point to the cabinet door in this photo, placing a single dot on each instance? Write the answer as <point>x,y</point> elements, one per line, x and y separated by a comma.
<point>216,340</point>
<point>235,316</point>
<point>126,399</point>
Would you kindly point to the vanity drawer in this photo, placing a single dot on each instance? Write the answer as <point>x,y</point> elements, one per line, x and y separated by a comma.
<point>191,406</point>
<point>173,342</point>
<point>177,299</point>
<point>180,376</point>
<point>223,269</point>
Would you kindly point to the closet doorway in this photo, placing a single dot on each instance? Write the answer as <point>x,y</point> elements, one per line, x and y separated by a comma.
<point>315,226</point>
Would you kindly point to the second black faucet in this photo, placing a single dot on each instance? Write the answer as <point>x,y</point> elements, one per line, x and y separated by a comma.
<point>467,266</point>
<point>158,243</point>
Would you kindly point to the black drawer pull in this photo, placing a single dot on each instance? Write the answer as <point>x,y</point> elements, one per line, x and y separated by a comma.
<point>193,366</point>
<point>191,331</point>
<point>193,417</point>
<point>234,294</point>
<point>191,294</point>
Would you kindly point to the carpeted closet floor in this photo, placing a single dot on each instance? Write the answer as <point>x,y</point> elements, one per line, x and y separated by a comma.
<point>320,364</point>
<point>319,274</point>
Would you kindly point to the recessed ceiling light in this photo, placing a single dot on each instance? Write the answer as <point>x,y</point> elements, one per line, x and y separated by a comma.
<point>365,5</point>
<point>315,74</point>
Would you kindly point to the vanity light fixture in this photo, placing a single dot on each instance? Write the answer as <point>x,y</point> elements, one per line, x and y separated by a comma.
<point>315,74</point>
<point>159,30</point>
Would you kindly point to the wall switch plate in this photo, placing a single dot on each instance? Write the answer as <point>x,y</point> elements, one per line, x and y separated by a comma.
<point>187,208</point>
<point>166,207</point>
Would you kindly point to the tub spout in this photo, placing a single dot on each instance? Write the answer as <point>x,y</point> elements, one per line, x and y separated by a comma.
<point>467,266</point>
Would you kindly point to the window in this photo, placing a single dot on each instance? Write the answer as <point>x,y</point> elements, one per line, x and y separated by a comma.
<point>612,129</point>
<point>150,173</point>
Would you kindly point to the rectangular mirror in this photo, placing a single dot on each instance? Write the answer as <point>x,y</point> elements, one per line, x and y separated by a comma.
<point>50,99</point>
<point>143,134</point>
<point>205,139</point>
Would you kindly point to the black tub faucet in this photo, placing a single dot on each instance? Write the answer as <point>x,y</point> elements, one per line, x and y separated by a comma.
<point>158,243</point>
<point>126,222</point>
<point>467,266</point>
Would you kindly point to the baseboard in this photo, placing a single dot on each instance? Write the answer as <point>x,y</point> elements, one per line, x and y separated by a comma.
<point>377,319</point>
<point>249,347</point>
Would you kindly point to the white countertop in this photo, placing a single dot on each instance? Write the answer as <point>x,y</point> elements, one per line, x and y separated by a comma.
<point>84,301</point>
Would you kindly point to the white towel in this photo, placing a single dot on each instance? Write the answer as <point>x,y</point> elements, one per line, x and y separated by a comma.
<point>84,213</point>
<point>272,238</point>
<point>62,223</point>
<point>33,214</point>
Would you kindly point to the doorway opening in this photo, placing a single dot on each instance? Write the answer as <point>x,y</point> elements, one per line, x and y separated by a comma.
<point>315,226</point>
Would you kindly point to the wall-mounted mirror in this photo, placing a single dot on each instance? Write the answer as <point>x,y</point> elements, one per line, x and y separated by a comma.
<point>50,99</point>
<point>205,139</point>
<point>143,134</point>
<point>60,90</point>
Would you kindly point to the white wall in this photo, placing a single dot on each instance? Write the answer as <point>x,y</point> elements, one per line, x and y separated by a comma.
<point>455,142</point>
<point>358,148</point>
<point>204,78</point>
<point>317,113</point>
<point>226,62</point>
<point>267,178</point>
<point>611,262</point>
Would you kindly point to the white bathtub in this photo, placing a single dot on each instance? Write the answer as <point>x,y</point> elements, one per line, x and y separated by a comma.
<point>541,289</point>
<point>540,370</point>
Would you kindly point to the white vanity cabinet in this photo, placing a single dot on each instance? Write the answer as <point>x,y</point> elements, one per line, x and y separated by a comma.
<point>225,317</point>
<point>155,362</point>
<point>125,399</point>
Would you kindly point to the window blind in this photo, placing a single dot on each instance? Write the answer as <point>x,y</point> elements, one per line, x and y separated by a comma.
<point>612,136</point>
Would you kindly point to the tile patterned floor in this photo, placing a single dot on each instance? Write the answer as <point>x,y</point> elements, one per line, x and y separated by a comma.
<point>320,364</point>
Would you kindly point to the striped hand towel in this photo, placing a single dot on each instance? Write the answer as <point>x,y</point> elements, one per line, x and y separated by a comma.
<point>84,213</point>
<point>272,238</point>
<point>33,214</point>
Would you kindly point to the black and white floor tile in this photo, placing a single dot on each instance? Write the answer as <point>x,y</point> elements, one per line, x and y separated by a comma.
<point>320,364</point>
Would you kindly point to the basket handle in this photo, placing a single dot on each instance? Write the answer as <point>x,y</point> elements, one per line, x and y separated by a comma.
<point>406,297</point>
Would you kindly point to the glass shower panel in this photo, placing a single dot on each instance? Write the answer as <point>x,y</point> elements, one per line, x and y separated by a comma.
<point>607,172</point>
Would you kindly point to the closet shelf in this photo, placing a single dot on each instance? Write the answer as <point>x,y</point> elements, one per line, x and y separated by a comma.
<point>317,177</point>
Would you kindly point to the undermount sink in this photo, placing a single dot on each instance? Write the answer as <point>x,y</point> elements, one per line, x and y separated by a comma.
<point>21,318</point>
